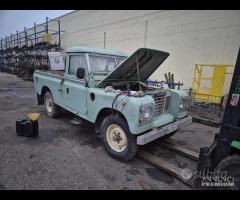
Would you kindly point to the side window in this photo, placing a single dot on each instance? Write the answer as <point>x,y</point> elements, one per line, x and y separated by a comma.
<point>77,61</point>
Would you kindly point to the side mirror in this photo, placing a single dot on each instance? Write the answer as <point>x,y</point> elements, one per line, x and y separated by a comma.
<point>80,73</point>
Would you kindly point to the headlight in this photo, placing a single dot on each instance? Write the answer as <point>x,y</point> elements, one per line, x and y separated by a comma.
<point>147,112</point>
<point>183,104</point>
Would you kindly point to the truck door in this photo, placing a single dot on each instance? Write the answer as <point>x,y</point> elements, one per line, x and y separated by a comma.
<point>74,89</point>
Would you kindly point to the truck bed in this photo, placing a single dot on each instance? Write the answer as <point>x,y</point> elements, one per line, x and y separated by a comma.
<point>53,72</point>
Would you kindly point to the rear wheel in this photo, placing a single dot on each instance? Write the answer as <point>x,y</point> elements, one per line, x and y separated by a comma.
<point>52,109</point>
<point>117,139</point>
<point>231,165</point>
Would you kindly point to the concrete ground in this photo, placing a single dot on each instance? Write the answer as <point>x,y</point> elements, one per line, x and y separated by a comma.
<point>68,156</point>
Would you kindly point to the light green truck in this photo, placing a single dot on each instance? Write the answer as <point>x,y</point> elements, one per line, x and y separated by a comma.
<point>108,88</point>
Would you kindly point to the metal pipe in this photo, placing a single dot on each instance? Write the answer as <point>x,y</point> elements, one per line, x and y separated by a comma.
<point>46,25</point>
<point>11,39</point>
<point>35,36</point>
<point>14,41</point>
<point>59,32</point>
<point>138,73</point>
<point>104,40</point>
<point>172,81</point>
<point>17,39</point>
<point>145,35</point>
<point>5,42</point>
<point>25,35</point>
<point>166,77</point>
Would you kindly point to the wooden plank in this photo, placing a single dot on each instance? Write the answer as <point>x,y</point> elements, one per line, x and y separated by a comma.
<point>180,149</point>
<point>184,175</point>
<point>207,121</point>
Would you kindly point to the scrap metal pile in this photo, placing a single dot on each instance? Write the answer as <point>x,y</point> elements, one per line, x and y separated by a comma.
<point>26,51</point>
<point>169,82</point>
<point>22,61</point>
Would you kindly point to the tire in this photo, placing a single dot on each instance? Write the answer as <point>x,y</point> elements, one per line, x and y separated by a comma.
<point>52,109</point>
<point>112,125</point>
<point>231,165</point>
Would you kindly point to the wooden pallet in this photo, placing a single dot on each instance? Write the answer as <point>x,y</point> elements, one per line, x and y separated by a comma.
<point>172,145</point>
<point>184,175</point>
<point>207,121</point>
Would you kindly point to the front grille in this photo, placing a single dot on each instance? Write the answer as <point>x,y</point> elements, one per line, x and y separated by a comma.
<point>161,103</point>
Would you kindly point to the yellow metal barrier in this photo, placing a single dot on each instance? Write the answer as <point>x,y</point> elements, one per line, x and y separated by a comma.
<point>208,82</point>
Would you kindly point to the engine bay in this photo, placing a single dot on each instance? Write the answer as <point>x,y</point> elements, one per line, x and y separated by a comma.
<point>134,88</point>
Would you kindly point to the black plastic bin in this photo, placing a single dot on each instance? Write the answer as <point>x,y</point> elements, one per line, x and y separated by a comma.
<point>27,128</point>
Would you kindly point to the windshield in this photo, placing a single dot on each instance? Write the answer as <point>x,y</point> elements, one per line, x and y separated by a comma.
<point>104,64</point>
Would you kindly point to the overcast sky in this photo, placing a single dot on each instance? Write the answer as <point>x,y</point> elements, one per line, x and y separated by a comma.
<point>13,20</point>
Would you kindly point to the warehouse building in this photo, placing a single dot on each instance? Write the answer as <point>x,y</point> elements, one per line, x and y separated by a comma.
<point>190,36</point>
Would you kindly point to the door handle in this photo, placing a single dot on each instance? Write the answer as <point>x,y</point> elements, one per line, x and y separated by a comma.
<point>61,84</point>
<point>67,89</point>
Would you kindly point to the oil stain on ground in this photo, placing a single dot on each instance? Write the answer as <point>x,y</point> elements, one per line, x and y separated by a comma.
<point>91,140</point>
<point>48,135</point>
<point>87,136</point>
<point>44,136</point>
<point>158,175</point>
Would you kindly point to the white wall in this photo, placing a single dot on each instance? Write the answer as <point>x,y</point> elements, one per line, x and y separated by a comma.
<point>192,36</point>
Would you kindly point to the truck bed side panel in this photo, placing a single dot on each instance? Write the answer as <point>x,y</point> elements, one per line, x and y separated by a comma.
<point>51,81</point>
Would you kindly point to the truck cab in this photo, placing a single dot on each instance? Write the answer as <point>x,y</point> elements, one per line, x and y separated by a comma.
<point>108,88</point>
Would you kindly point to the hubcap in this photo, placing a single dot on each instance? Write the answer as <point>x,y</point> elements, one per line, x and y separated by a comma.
<point>116,138</point>
<point>49,104</point>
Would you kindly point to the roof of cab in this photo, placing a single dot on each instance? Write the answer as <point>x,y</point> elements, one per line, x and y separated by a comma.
<point>96,50</point>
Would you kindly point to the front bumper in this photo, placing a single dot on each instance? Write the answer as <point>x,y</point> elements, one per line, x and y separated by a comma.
<point>156,133</point>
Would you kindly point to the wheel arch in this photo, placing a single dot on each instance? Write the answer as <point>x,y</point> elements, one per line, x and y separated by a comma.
<point>104,112</point>
<point>40,97</point>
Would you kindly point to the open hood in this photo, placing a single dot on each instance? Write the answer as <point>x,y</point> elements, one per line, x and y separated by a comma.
<point>148,61</point>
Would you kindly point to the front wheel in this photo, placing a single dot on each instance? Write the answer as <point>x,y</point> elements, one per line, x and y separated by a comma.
<point>117,139</point>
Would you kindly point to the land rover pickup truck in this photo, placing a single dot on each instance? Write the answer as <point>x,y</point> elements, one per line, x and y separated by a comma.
<point>108,88</point>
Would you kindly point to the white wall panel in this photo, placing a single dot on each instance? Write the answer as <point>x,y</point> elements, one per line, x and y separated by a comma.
<point>190,36</point>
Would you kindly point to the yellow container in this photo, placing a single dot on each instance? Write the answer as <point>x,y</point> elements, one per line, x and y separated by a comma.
<point>33,116</point>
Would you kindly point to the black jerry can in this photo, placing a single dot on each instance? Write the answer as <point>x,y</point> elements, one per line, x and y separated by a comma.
<point>27,128</point>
